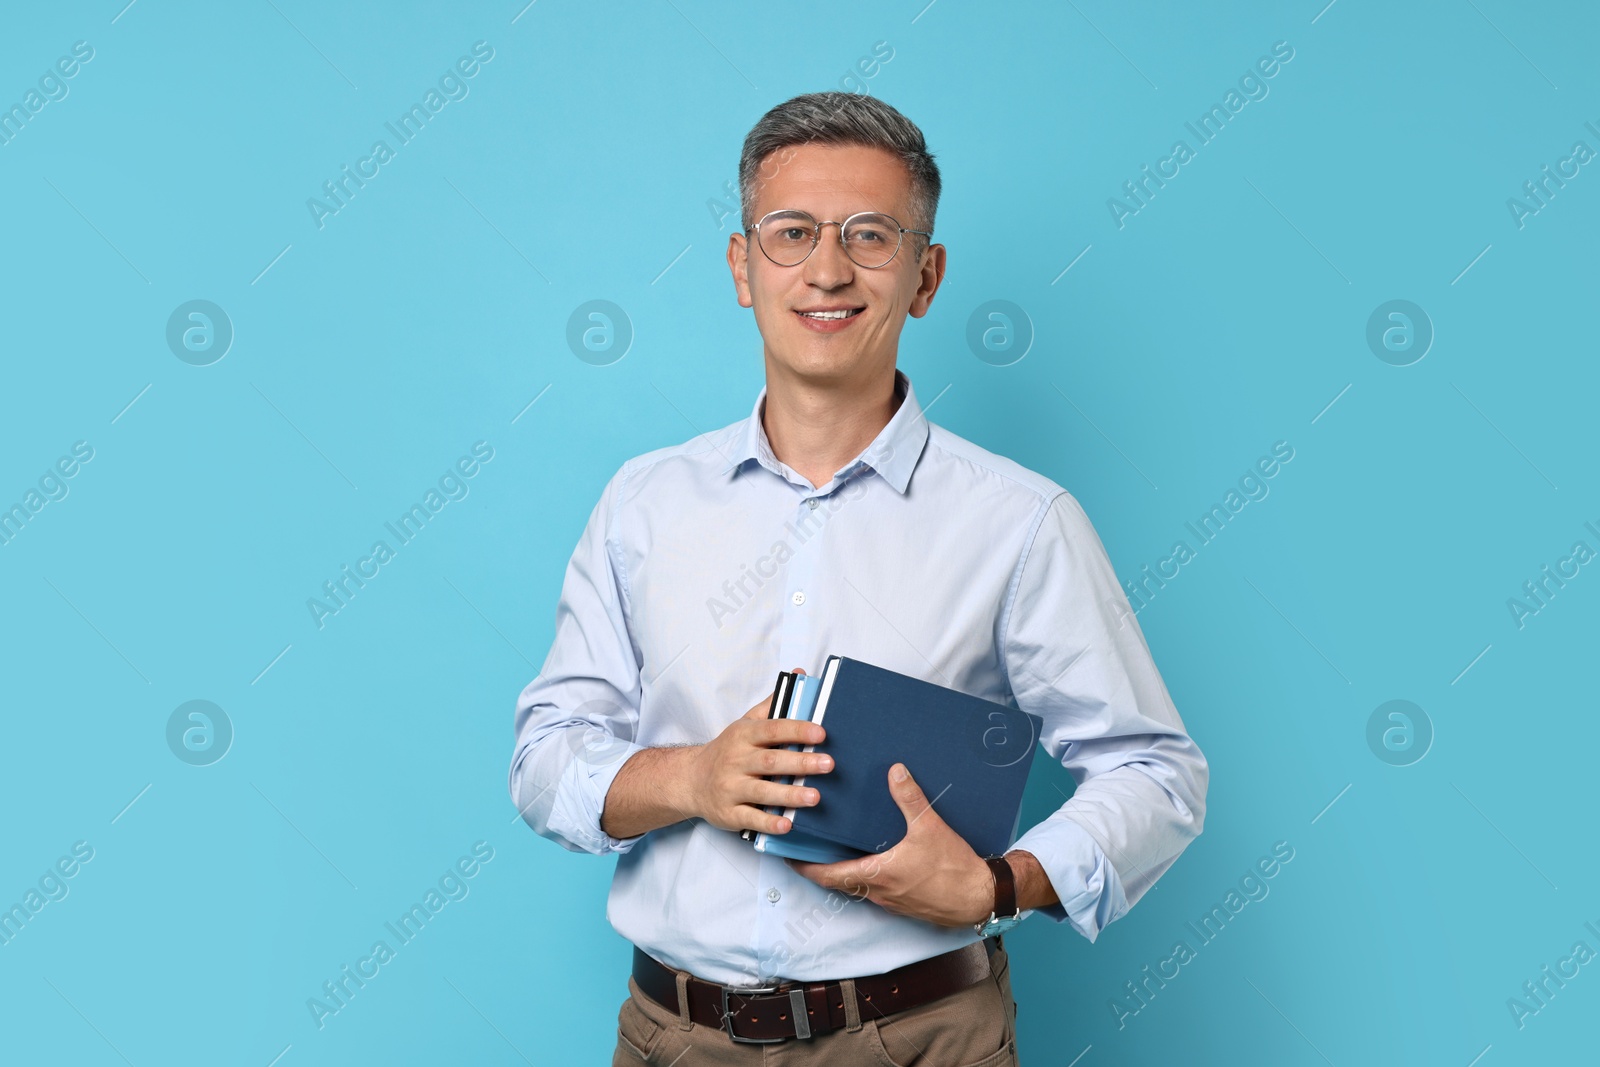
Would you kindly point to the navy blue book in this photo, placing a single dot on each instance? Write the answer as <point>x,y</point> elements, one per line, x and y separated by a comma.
<point>969,755</point>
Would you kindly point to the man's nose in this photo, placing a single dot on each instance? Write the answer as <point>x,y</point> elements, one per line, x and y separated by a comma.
<point>828,267</point>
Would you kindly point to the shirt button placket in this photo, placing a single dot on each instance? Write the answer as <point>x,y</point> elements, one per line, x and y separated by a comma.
<point>796,648</point>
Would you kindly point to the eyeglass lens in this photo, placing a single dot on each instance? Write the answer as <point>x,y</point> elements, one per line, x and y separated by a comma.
<point>870,239</point>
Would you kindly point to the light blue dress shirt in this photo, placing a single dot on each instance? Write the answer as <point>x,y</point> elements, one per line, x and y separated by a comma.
<point>709,566</point>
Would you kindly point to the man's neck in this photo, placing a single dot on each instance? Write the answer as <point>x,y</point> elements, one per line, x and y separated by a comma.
<point>816,428</point>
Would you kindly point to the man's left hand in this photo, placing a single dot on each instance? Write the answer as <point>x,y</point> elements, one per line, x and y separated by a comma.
<point>931,874</point>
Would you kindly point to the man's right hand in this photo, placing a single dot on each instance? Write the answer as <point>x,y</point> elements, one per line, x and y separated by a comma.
<point>728,785</point>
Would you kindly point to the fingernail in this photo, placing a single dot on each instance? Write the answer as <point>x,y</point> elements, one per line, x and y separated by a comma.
<point>898,772</point>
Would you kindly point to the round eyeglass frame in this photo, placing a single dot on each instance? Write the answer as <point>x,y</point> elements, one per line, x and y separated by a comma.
<point>816,235</point>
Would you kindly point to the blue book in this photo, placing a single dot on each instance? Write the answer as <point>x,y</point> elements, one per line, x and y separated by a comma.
<point>970,756</point>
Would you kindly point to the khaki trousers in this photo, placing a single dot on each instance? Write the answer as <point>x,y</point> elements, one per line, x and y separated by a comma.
<point>975,1027</point>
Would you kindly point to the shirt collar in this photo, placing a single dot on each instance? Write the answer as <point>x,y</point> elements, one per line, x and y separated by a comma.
<point>893,453</point>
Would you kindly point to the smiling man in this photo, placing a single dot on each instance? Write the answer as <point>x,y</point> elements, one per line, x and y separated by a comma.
<point>836,519</point>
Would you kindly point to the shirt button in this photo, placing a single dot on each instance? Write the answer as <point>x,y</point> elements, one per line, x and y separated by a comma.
<point>798,598</point>
<point>812,503</point>
<point>773,895</point>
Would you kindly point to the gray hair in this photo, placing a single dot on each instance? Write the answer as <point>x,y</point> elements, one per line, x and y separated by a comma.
<point>838,118</point>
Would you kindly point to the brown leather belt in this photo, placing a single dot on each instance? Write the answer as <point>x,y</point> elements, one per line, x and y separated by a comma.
<point>770,1014</point>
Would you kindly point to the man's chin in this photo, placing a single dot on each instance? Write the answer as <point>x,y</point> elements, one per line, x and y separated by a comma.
<point>825,364</point>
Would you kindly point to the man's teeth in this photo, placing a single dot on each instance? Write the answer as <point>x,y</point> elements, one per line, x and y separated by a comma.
<point>830,314</point>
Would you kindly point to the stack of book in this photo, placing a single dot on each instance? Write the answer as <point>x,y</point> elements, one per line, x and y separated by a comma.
<point>970,757</point>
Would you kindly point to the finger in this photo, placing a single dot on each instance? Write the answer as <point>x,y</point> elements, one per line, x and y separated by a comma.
<point>769,762</point>
<point>850,877</point>
<point>831,875</point>
<point>908,795</point>
<point>774,794</point>
<point>748,817</point>
<point>788,732</point>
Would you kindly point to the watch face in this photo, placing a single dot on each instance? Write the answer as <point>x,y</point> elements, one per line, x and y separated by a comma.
<point>999,926</point>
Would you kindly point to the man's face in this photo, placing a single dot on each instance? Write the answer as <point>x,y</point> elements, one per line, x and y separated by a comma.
<point>833,182</point>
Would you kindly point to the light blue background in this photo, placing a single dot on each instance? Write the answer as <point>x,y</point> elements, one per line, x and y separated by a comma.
<point>1225,316</point>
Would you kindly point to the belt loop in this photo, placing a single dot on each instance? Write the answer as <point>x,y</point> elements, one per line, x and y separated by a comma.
<point>852,1007</point>
<point>684,1022</point>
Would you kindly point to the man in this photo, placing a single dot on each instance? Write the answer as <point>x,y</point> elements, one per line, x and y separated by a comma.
<point>837,520</point>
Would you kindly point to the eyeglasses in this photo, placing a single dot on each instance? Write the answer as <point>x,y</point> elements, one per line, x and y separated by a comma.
<point>870,238</point>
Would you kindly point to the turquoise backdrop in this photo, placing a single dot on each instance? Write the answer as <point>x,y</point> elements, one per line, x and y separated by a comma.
<point>221,382</point>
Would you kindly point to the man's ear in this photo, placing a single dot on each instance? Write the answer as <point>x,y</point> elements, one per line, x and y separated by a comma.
<point>739,265</point>
<point>929,279</point>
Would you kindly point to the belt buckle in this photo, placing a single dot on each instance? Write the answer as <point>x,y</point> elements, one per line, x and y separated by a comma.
<point>727,1016</point>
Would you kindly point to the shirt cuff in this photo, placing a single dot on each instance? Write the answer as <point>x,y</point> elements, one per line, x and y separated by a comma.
<point>1088,885</point>
<point>579,798</point>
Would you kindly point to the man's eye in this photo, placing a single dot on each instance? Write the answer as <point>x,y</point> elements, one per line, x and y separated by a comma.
<point>794,233</point>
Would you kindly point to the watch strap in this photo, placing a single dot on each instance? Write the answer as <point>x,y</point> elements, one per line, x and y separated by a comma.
<point>1005,887</point>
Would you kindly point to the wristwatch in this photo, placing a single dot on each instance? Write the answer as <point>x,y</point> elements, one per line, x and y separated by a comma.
<point>1006,913</point>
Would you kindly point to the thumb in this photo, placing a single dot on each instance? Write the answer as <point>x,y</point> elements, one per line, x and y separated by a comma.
<point>908,794</point>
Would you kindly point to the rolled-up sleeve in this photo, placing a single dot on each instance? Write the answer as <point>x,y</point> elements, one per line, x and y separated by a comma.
<point>1076,657</point>
<point>576,721</point>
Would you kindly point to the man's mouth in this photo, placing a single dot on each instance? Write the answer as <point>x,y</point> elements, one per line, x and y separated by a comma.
<point>840,313</point>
